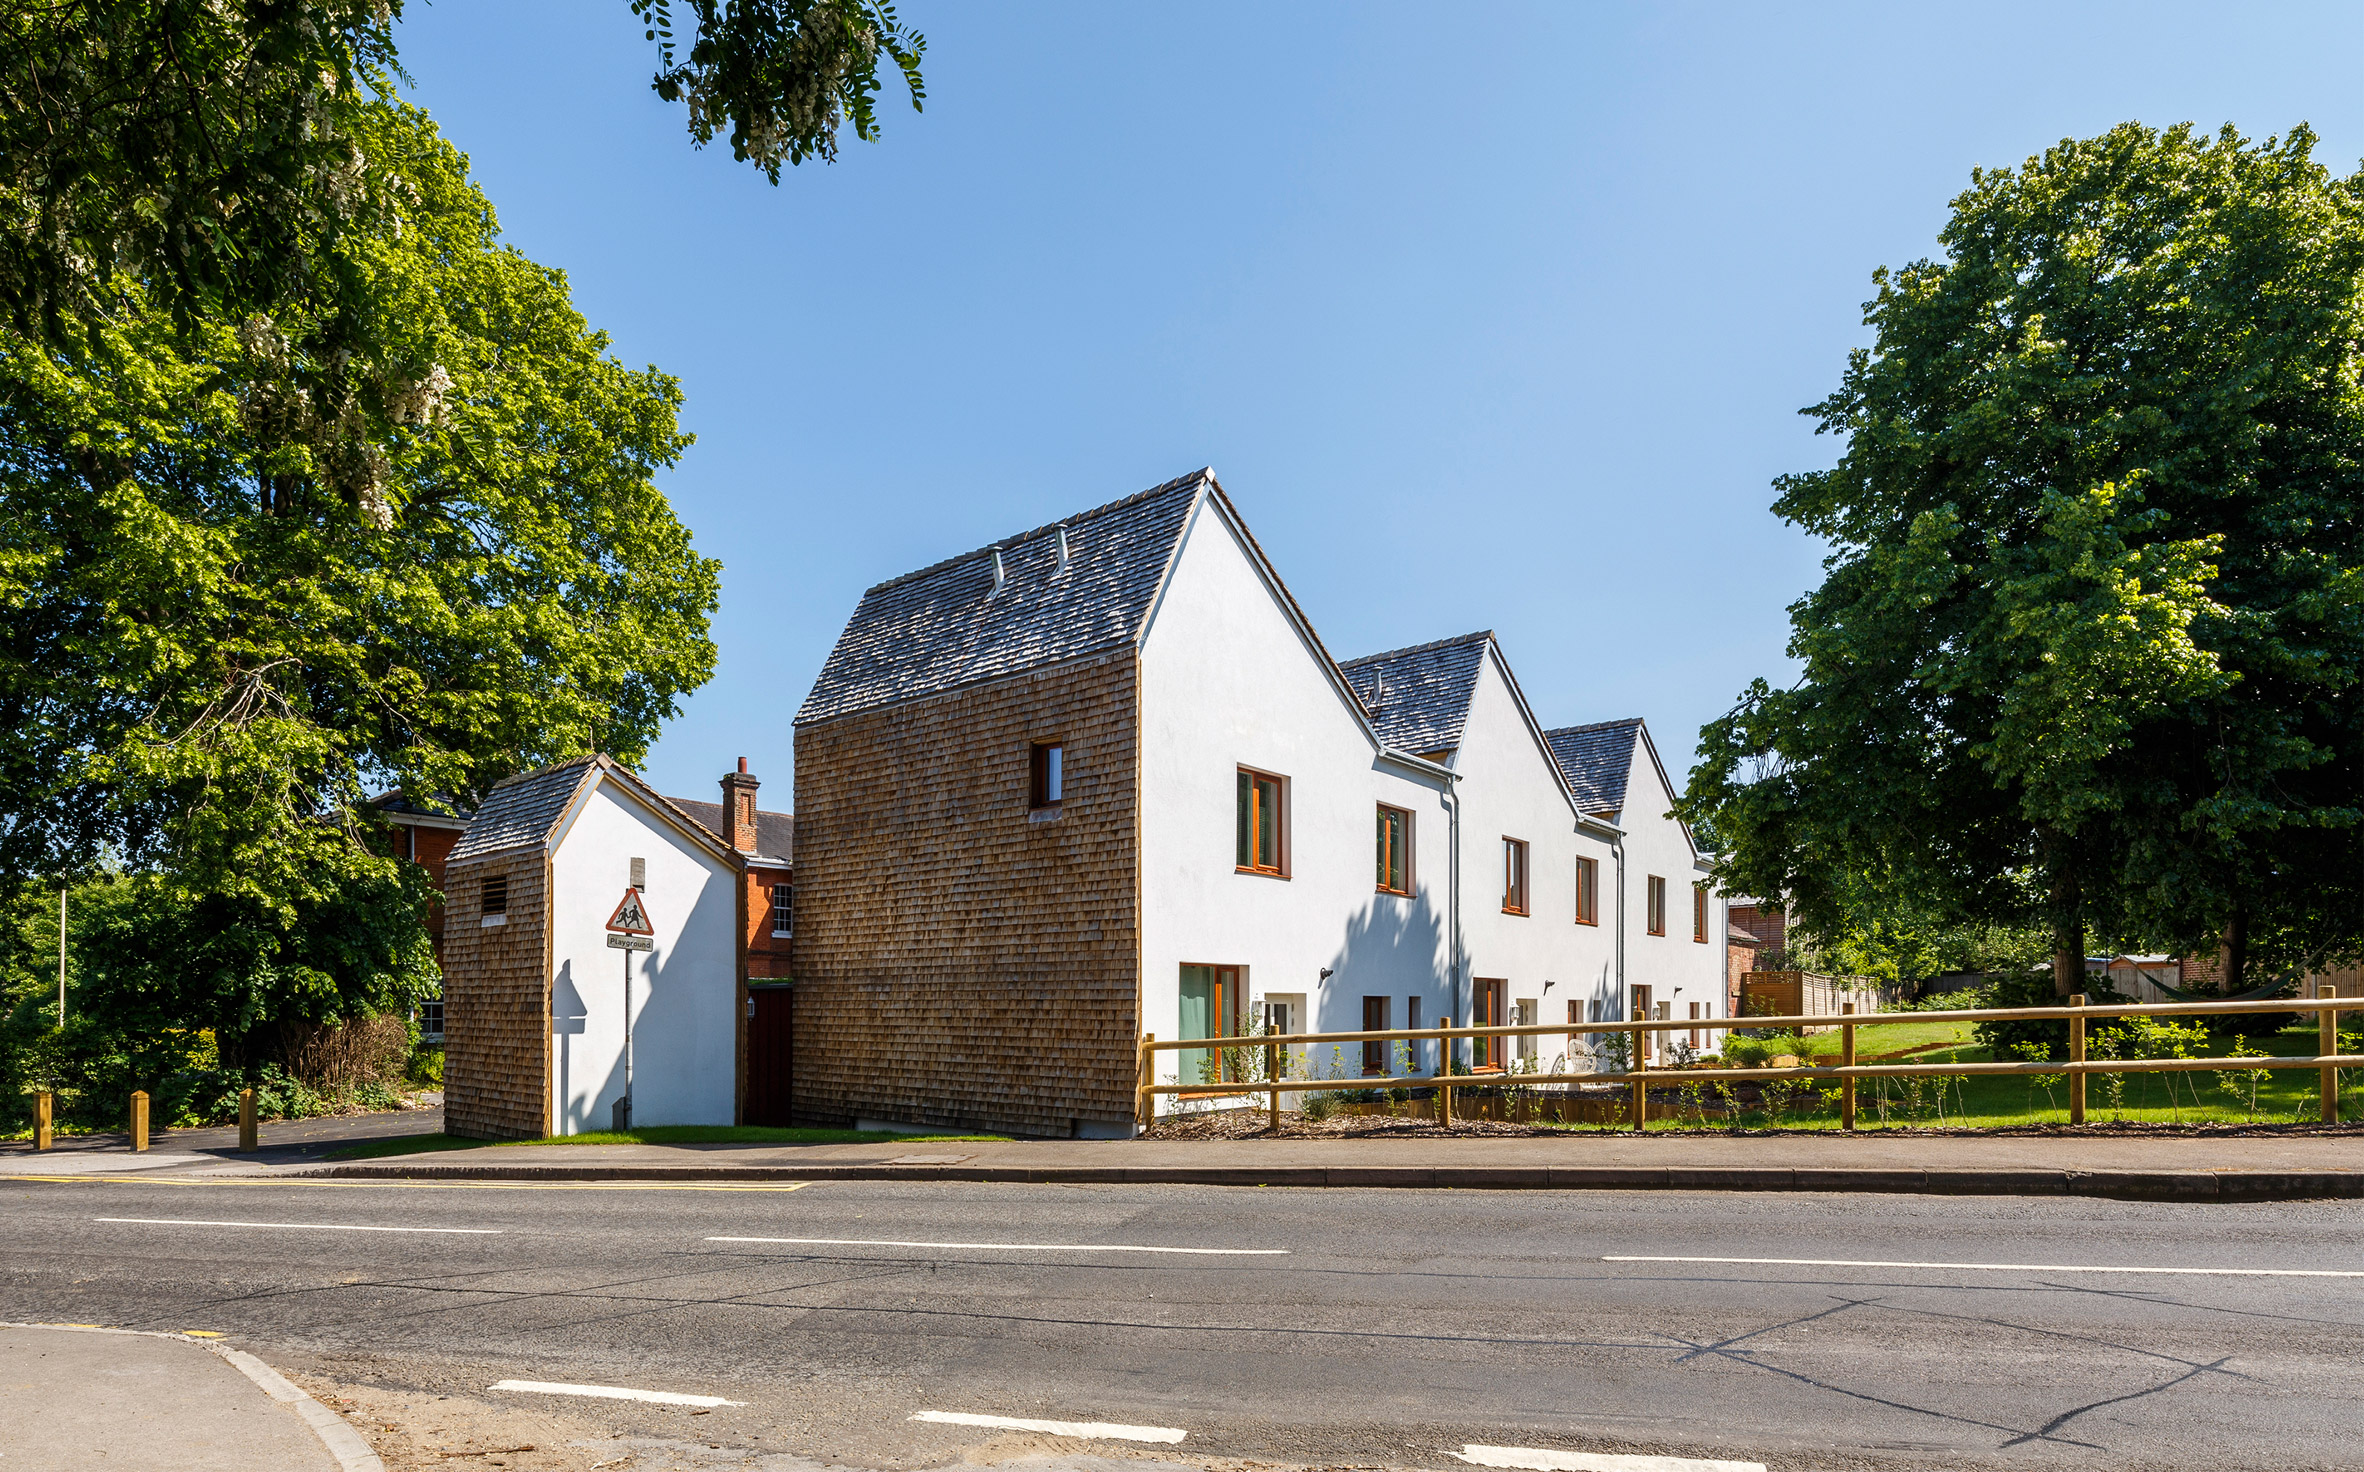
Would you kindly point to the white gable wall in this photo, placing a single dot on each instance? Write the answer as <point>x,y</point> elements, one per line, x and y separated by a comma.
<point>1677,969</point>
<point>684,989</point>
<point>1227,680</point>
<point>1512,790</point>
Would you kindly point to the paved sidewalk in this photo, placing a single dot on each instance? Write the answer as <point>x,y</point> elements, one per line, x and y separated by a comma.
<point>2199,1166</point>
<point>73,1399</point>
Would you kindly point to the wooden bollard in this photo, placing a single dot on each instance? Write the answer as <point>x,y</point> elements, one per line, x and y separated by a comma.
<point>2327,1046</point>
<point>1641,1085</point>
<point>1847,1060</point>
<point>2076,1055</point>
<point>42,1136</point>
<point>1444,1068</point>
<point>139,1119</point>
<point>248,1138</point>
<point>1272,1072</point>
<point>1144,1102</point>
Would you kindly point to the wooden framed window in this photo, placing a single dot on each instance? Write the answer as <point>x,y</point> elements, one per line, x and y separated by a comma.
<point>1695,1031</point>
<point>1588,891</point>
<point>1262,824</point>
<point>1213,1005</point>
<point>783,911</point>
<point>1699,913</point>
<point>1395,851</point>
<point>1657,916</point>
<point>1485,1054</point>
<point>1375,1011</point>
<point>1514,876</point>
<point>1046,774</point>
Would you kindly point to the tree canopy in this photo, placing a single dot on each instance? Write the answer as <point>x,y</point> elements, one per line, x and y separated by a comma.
<point>2088,642</point>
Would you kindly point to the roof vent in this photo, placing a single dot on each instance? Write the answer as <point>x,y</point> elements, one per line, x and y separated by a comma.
<point>1063,553</point>
<point>1001,574</point>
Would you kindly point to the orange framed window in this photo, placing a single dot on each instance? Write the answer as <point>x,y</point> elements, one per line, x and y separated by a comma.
<point>1657,916</point>
<point>1263,818</point>
<point>1395,850</point>
<point>1514,876</point>
<point>1699,913</point>
<point>1485,995</point>
<point>1695,1031</point>
<point>1375,1010</point>
<point>1588,891</point>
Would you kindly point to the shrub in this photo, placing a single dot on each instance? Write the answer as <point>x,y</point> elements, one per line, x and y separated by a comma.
<point>1318,1107</point>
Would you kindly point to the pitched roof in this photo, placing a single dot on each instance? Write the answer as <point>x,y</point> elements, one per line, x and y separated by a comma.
<point>524,811</point>
<point>1419,697</point>
<point>775,833</point>
<point>946,626</point>
<point>1597,759</point>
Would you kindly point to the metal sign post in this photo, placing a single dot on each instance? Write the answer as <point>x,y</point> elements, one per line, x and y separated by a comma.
<point>629,930</point>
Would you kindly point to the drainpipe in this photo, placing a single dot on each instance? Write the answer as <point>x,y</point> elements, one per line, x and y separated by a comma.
<point>1451,796</point>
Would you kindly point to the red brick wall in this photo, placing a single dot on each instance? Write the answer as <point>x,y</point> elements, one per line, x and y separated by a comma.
<point>767,954</point>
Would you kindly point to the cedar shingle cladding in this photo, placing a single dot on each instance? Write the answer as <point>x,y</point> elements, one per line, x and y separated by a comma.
<point>496,1009</point>
<point>961,961</point>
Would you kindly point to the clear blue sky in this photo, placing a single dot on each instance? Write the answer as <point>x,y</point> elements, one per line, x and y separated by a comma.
<point>1488,317</point>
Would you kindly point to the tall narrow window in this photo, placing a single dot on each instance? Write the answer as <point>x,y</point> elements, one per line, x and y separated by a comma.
<point>1486,998</point>
<point>1260,820</point>
<point>1395,851</point>
<point>1699,913</point>
<point>1695,1031</point>
<point>1375,1020</point>
<point>1412,1020</point>
<point>783,912</point>
<point>1048,776</point>
<point>1657,905</point>
<point>495,894</point>
<point>1514,877</point>
<point>1588,891</point>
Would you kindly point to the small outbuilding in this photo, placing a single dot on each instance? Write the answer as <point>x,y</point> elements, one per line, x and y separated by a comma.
<point>535,997</point>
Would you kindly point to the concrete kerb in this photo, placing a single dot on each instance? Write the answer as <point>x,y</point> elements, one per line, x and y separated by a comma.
<point>2136,1185</point>
<point>347,1446</point>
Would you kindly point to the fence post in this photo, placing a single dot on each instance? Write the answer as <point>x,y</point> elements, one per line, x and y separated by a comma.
<point>1272,1055</point>
<point>2076,1055</point>
<point>1847,1060</point>
<point>42,1137</point>
<point>139,1119</point>
<point>247,1138</point>
<point>1641,1066</point>
<point>1144,1102</point>
<point>1444,1066</point>
<point>2327,1045</point>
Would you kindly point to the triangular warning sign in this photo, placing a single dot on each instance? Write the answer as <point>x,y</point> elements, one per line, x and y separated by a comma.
<point>631,917</point>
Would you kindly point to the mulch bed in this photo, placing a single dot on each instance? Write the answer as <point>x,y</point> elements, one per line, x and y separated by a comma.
<point>1255,1124</point>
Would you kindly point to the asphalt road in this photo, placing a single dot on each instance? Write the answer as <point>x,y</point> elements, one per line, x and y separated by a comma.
<point>1335,1326</point>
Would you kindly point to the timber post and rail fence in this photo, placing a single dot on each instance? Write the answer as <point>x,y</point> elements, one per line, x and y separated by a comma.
<point>2327,1061</point>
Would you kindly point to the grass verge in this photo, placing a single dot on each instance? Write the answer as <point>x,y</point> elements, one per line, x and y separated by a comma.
<point>684,1134</point>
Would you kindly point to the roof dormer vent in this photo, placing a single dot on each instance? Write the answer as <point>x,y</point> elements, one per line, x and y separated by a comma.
<point>1063,553</point>
<point>1001,574</point>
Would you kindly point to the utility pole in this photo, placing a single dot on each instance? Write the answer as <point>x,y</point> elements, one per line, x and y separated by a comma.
<point>61,955</point>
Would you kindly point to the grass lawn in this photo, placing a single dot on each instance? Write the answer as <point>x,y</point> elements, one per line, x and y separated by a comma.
<point>2285,1095</point>
<point>686,1134</point>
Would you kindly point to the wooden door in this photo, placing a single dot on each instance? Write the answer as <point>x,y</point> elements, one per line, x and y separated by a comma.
<point>770,1026</point>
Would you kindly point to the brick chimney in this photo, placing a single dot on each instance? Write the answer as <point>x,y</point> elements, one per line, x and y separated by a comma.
<point>738,809</point>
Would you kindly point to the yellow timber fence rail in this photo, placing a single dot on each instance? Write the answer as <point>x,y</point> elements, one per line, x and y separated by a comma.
<point>2077,1014</point>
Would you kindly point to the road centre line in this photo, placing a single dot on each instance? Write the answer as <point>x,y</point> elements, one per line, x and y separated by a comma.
<point>1543,1459</point>
<point>165,1221</point>
<point>2004,1267</point>
<point>614,1392</point>
<point>1095,1430</point>
<point>1011,1246</point>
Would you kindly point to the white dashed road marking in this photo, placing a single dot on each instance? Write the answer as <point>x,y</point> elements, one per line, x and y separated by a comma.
<point>2003,1267</point>
<point>614,1392</point>
<point>1540,1459</point>
<point>168,1221</point>
<point>1096,1430</point>
<point>1012,1246</point>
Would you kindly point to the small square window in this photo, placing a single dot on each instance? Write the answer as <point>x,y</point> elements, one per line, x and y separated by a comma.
<point>431,1018</point>
<point>1047,783</point>
<point>1514,876</point>
<point>495,895</point>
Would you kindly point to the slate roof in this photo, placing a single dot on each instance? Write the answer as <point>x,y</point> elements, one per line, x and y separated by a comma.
<point>520,812</point>
<point>775,833</point>
<point>1419,697</point>
<point>946,626</point>
<point>1597,759</point>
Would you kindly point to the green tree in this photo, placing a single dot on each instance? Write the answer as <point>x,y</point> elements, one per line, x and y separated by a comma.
<point>2088,640</point>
